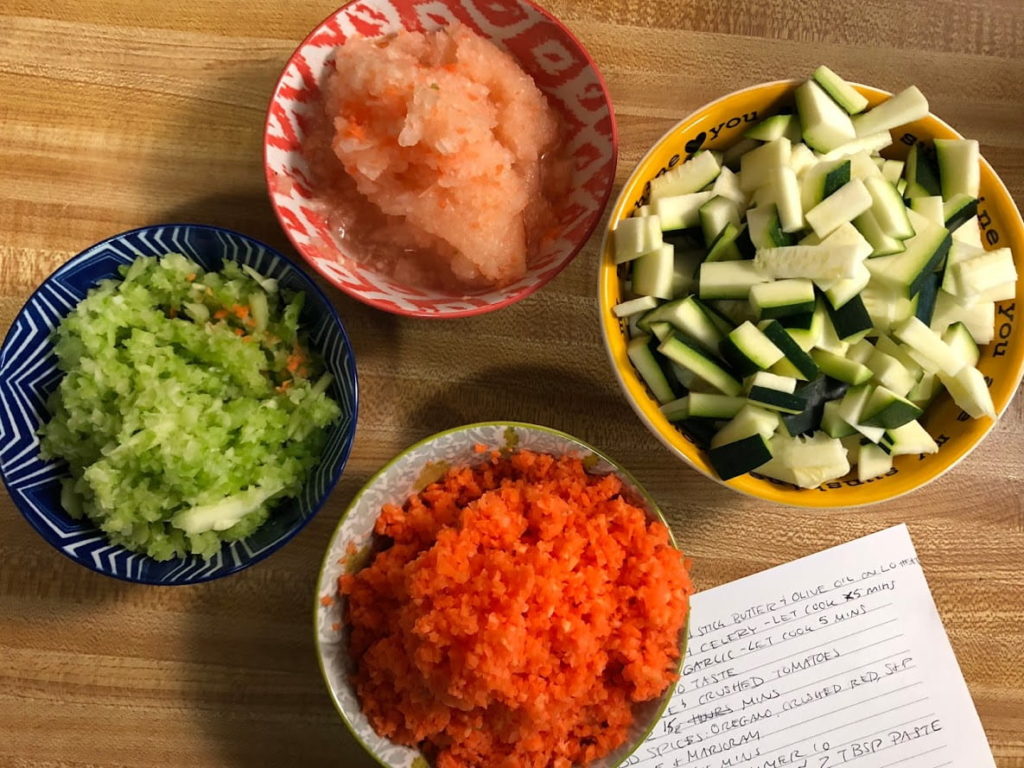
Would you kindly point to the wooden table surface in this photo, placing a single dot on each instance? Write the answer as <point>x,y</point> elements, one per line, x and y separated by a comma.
<point>120,113</point>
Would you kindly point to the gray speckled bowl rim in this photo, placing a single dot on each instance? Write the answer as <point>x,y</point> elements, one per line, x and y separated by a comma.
<point>653,510</point>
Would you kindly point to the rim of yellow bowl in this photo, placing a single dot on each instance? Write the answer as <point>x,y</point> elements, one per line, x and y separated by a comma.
<point>672,438</point>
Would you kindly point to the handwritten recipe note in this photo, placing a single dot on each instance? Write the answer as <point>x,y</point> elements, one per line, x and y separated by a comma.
<point>838,658</point>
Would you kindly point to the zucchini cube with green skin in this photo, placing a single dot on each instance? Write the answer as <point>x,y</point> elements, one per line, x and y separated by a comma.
<point>833,424</point>
<point>887,409</point>
<point>872,462</point>
<point>750,420</point>
<point>959,166</point>
<point>757,165</point>
<point>823,179</point>
<point>842,93</point>
<point>688,355</point>
<point>782,298</point>
<point>651,372</point>
<point>905,107</point>
<point>765,228</point>
<point>851,321</point>
<point>825,124</point>
<point>958,210</point>
<point>679,211</point>
<point>909,439</point>
<point>796,362</point>
<point>729,279</point>
<point>774,400</point>
<point>636,236</point>
<point>922,171</point>
<point>686,178</point>
<point>845,204</point>
<point>925,250</point>
<point>748,350</point>
<point>739,457</point>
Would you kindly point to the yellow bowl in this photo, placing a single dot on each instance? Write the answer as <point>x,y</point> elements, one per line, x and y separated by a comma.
<point>717,126</point>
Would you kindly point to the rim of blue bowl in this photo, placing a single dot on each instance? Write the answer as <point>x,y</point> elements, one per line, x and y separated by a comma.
<point>343,458</point>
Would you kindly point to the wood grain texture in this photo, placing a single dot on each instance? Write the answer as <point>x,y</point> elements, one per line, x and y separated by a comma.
<point>119,113</point>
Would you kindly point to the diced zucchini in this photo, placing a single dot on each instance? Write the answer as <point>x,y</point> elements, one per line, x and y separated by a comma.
<point>851,409</point>
<point>650,370</point>
<point>729,279</point>
<point>908,440</point>
<point>661,331</point>
<point>796,363</point>
<point>823,179</point>
<point>679,211</point>
<point>960,341</point>
<point>756,166</point>
<point>905,107</point>
<point>907,271</point>
<point>887,409</point>
<point>975,277</point>
<point>786,193</point>
<point>684,270</point>
<point>750,420</point>
<point>881,243</point>
<point>825,124</point>
<point>739,457</point>
<point>692,358</point>
<point>772,128</point>
<point>766,228</point>
<point>958,210</point>
<point>869,143</point>
<point>840,368</point>
<point>839,292</point>
<point>888,209</point>
<point>715,214</point>
<point>748,350</point>
<point>814,262</point>
<point>652,273</point>
<point>768,380</point>
<point>979,318</point>
<point>842,93</point>
<point>832,423</point>
<point>686,178</point>
<point>922,171</point>
<point>889,347</point>
<point>930,207</point>
<point>727,185</point>
<point>806,330</point>
<point>635,306</point>
<point>928,348</point>
<point>734,311</point>
<point>731,157</point>
<point>925,298</point>
<point>636,236</point>
<point>781,298</point>
<point>678,410</point>
<point>872,462</point>
<point>863,165</point>
<point>959,166</point>
<point>829,339</point>
<point>851,321</point>
<point>892,170</point>
<point>925,390</point>
<point>806,462</point>
<point>969,233</point>
<point>693,320</point>
<point>891,373</point>
<point>725,247</point>
<point>774,400</point>
<point>801,157</point>
<point>969,391</point>
<point>848,202</point>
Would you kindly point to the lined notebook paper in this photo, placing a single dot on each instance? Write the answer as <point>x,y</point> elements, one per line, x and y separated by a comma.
<point>838,658</point>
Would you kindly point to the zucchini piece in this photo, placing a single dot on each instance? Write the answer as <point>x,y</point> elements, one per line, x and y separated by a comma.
<point>661,331</point>
<point>684,270</point>
<point>688,355</point>
<point>851,321</point>
<point>729,279</point>
<point>960,341</point>
<point>979,318</point>
<point>922,171</point>
<point>700,431</point>
<point>750,420</point>
<point>786,193</point>
<point>892,170</point>
<point>677,410</point>
<point>851,408</point>
<point>687,177</point>
<point>634,306</point>
<point>814,262</point>
<point>774,400</point>
<point>733,155</point>
<point>799,363</point>
<point>712,406</point>
<point>891,373</point>
<point>909,439</point>
<point>905,107</point>
<point>806,330</point>
<point>860,352</point>
<point>739,457</point>
<point>977,276</point>
<point>693,320</point>
<point>733,312</point>
<point>823,179</point>
<point>825,124</point>
<point>832,423</point>
<point>650,370</point>
<point>636,236</point>
<point>840,368</point>
<point>899,352</point>
<point>926,298</point>
<point>928,348</point>
<point>881,243</point>
<point>930,207</point>
<point>887,409</point>
<point>801,157</point>
<point>806,462</point>
<point>772,128</point>
<point>748,350</point>
<point>839,292</point>
<point>908,271</point>
<point>869,144</point>
<point>958,210</point>
<point>969,391</point>
<point>781,298</point>
<point>725,247</point>
<point>679,211</point>
<point>845,204</point>
<point>715,214</point>
<point>727,185</point>
<point>756,166</point>
<point>872,462</point>
<point>768,380</point>
<point>765,228</point>
<point>652,273</point>
<point>888,209</point>
<point>925,390</point>
<point>969,233</point>
<point>815,395</point>
<point>959,166</point>
<point>842,93</point>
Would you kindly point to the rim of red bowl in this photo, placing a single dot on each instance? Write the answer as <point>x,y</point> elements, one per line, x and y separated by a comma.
<point>522,293</point>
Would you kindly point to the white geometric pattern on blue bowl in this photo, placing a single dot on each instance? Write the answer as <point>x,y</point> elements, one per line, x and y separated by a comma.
<point>393,484</point>
<point>28,374</point>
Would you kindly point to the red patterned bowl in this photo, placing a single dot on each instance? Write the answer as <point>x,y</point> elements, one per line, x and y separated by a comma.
<point>543,47</point>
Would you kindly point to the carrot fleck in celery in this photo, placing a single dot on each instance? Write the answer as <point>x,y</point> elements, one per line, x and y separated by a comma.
<point>240,310</point>
<point>326,600</point>
<point>220,314</point>
<point>479,448</point>
<point>191,277</point>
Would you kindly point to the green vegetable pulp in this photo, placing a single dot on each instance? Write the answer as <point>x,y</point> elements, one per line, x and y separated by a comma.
<point>189,407</point>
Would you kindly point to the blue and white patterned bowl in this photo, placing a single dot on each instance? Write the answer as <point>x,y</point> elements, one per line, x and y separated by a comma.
<point>28,374</point>
<point>404,475</point>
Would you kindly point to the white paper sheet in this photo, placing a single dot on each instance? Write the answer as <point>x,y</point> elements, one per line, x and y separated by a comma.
<point>838,658</point>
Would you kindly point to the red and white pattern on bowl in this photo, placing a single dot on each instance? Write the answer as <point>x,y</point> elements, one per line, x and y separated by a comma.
<point>558,63</point>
